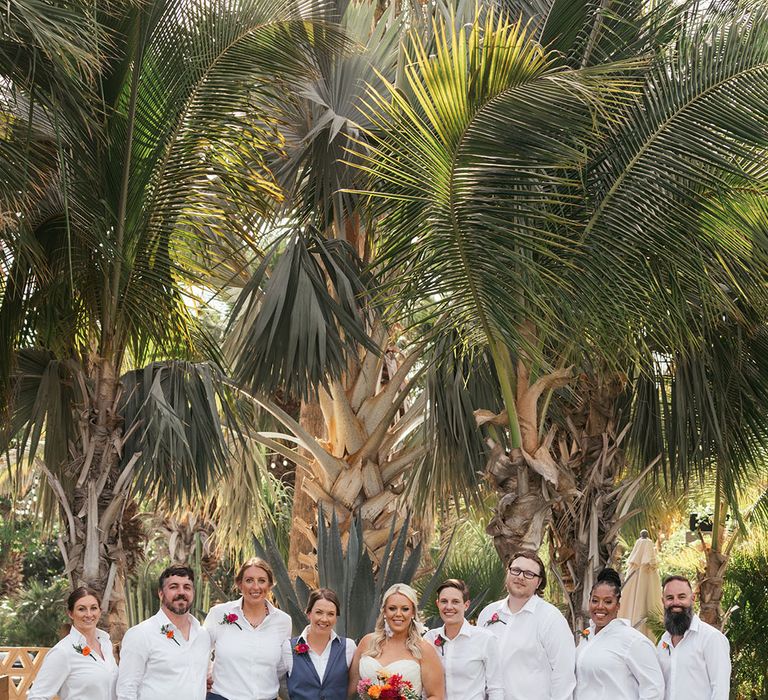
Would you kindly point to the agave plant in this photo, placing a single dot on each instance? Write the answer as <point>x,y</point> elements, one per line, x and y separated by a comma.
<point>350,573</point>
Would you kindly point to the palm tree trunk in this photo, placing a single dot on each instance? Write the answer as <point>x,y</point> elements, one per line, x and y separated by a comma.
<point>304,509</point>
<point>527,478</point>
<point>710,587</point>
<point>358,462</point>
<point>520,519</point>
<point>92,513</point>
<point>586,523</point>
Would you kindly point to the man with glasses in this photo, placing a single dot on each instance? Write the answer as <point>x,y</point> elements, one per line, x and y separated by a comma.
<point>536,647</point>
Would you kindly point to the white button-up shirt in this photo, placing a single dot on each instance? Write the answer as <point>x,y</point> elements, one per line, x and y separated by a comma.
<point>69,674</point>
<point>617,663</point>
<point>154,666</point>
<point>536,648</point>
<point>699,666</point>
<point>247,660</point>
<point>319,661</point>
<point>471,663</point>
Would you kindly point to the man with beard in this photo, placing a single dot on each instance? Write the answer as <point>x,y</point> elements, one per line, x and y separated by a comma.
<point>167,655</point>
<point>535,643</point>
<point>694,656</point>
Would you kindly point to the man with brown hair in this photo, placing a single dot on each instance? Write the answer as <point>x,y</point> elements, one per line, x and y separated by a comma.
<point>694,656</point>
<point>536,646</point>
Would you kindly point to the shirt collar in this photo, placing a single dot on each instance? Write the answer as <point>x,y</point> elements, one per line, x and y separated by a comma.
<point>79,637</point>
<point>530,605</point>
<point>237,605</point>
<point>465,630</point>
<point>305,631</point>
<point>616,622</point>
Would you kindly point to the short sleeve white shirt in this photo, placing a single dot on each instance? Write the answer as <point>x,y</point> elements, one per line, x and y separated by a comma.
<point>536,647</point>
<point>248,660</point>
<point>319,661</point>
<point>72,675</point>
<point>157,663</point>
<point>471,663</point>
<point>618,663</point>
<point>699,666</point>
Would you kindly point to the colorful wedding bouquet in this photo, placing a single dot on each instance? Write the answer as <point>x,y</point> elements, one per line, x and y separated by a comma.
<point>388,688</point>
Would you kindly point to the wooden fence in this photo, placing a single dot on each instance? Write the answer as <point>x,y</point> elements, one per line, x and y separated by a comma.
<point>18,668</point>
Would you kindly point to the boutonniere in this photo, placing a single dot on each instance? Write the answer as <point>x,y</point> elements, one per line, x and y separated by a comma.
<point>301,648</point>
<point>665,647</point>
<point>494,619</point>
<point>168,632</point>
<point>83,650</point>
<point>440,643</point>
<point>231,619</point>
<point>584,634</point>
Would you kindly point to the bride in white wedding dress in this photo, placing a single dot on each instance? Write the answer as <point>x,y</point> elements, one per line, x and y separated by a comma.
<point>396,646</point>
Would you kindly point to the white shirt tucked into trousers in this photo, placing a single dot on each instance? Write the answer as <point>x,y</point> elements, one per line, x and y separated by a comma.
<point>617,663</point>
<point>247,660</point>
<point>154,666</point>
<point>471,663</point>
<point>536,648</point>
<point>71,675</point>
<point>699,666</point>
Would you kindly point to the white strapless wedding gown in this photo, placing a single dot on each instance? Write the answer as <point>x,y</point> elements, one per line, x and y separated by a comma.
<point>409,669</point>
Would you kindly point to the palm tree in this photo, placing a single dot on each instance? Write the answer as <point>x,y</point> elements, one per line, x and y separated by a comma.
<point>306,324</point>
<point>543,207</point>
<point>130,166</point>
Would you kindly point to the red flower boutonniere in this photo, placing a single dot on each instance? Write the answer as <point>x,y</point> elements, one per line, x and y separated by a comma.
<point>665,647</point>
<point>440,643</point>
<point>231,619</point>
<point>584,634</point>
<point>301,648</point>
<point>168,632</point>
<point>494,619</point>
<point>83,650</point>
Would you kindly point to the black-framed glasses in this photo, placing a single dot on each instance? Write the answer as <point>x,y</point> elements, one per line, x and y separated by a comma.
<point>517,571</point>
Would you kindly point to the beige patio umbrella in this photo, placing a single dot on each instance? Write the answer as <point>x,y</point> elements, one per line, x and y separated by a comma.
<point>641,593</point>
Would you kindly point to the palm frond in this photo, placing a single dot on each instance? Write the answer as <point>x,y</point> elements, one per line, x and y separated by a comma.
<point>301,323</point>
<point>175,416</point>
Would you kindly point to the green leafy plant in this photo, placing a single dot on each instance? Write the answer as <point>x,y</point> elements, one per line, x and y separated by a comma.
<point>350,573</point>
<point>36,616</point>
<point>473,559</point>
<point>746,590</point>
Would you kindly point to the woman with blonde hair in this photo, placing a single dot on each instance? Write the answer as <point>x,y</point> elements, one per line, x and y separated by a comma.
<point>396,647</point>
<point>247,635</point>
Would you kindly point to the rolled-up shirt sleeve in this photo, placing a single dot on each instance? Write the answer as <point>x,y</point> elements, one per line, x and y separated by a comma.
<point>644,666</point>
<point>53,672</point>
<point>133,665</point>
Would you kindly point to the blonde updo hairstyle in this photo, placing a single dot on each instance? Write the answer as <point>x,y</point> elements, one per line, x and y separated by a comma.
<point>413,641</point>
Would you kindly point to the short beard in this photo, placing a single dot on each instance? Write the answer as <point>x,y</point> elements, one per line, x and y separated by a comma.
<point>678,623</point>
<point>178,607</point>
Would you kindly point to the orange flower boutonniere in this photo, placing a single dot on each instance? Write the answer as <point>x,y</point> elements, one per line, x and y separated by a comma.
<point>83,650</point>
<point>169,633</point>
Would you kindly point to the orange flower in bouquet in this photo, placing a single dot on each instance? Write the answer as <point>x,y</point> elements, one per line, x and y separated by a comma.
<point>387,688</point>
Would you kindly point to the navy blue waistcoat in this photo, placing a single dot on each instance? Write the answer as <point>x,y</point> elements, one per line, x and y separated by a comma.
<point>305,684</point>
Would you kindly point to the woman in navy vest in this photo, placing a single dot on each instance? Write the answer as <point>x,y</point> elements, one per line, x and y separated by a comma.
<point>318,659</point>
